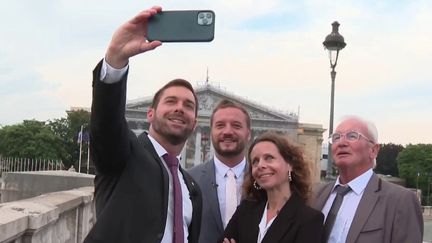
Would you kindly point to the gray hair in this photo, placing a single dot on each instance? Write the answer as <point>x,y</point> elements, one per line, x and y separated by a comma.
<point>371,128</point>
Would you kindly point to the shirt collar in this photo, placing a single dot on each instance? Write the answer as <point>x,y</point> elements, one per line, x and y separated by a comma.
<point>359,183</point>
<point>161,151</point>
<point>222,168</point>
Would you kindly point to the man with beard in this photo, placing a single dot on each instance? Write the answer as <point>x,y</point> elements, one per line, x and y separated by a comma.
<point>141,193</point>
<point>220,179</point>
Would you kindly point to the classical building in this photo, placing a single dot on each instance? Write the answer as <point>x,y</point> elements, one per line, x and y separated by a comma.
<point>198,148</point>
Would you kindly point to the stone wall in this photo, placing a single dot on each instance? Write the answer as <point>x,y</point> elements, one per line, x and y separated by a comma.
<point>310,137</point>
<point>20,185</point>
<point>57,217</point>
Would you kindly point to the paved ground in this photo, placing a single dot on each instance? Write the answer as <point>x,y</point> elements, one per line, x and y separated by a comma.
<point>427,237</point>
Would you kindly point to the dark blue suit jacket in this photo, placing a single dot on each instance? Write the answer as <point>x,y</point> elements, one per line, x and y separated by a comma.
<point>131,184</point>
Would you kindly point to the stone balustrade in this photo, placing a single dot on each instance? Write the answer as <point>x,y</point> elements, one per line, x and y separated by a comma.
<point>64,216</point>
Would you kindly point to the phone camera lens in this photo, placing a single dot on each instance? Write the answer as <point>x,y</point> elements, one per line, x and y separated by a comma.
<point>205,21</point>
<point>209,15</point>
<point>201,15</point>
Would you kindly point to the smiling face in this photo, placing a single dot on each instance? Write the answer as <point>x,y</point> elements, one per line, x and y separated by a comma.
<point>354,157</point>
<point>174,119</point>
<point>269,168</point>
<point>229,133</point>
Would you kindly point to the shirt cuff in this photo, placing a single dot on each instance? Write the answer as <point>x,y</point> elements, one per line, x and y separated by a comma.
<point>111,75</point>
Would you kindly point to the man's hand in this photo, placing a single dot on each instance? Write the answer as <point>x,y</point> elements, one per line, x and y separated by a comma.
<point>130,39</point>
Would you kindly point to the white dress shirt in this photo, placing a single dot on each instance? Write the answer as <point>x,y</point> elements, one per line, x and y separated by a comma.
<point>263,225</point>
<point>111,75</point>
<point>348,208</point>
<point>221,171</point>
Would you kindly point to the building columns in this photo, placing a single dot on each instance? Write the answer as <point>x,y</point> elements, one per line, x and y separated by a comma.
<point>197,158</point>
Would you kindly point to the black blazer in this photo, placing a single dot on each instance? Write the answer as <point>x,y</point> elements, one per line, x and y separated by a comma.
<point>295,223</point>
<point>131,184</point>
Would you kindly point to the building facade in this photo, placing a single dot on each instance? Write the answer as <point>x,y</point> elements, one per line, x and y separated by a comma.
<point>199,149</point>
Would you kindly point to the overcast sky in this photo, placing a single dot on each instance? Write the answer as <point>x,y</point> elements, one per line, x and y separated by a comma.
<point>269,51</point>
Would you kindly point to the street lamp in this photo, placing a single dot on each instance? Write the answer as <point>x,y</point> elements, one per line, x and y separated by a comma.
<point>334,42</point>
<point>80,138</point>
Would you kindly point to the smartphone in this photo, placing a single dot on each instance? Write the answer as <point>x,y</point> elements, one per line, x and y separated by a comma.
<point>182,26</point>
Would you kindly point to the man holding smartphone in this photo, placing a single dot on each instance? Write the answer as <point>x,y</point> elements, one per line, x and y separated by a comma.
<point>141,193</point>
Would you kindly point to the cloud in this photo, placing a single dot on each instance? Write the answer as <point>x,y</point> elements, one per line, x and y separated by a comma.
<point>268,51</point>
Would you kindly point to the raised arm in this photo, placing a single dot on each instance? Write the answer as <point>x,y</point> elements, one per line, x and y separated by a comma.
<point>110,135</point>
<point>131,39</point>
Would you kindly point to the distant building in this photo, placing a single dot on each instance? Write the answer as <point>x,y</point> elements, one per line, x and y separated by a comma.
<point>324,159</point>
<point>308,136</point>
<point>76,108</point>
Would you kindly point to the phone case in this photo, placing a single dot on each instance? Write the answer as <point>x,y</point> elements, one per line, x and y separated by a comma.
<point>182,26</point>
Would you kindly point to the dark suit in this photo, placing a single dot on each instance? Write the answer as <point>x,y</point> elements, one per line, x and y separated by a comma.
<point>295,223</point>
<point>131,185</point>
<point>387,213</point>
<point>211,224</point>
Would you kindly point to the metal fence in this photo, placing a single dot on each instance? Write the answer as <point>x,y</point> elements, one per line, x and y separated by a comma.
<point>8,164</point>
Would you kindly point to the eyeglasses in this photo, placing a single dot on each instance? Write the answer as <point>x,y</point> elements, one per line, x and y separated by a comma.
<point>351,136</point>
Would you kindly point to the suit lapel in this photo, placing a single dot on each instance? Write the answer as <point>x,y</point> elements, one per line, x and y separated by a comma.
<point>321,195</point>
<point>283,221</point>
<point>190,184</point>
<point>143,138</point>
<point>252,219</point>
<point>210,189</point>
<point>148,146</point>
<point>365,207</point>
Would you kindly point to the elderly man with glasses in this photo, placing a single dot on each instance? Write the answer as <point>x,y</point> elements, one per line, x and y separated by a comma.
<point>359,206</point>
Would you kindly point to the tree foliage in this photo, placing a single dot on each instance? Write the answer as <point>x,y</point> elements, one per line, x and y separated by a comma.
<point>30,139</point>
<point>67,129</point>
<point>415,165</point>
<point>56,139</point>
<point>386,159</point>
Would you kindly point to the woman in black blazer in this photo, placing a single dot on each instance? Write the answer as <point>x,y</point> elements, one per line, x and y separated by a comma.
<point>277,188</point>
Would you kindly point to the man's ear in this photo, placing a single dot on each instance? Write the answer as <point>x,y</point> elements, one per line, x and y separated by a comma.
<point>375,149</point>
<point>196,124</point>
<point>150,114</point>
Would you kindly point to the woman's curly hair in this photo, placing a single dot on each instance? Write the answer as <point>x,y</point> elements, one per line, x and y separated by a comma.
<point>293,155</point>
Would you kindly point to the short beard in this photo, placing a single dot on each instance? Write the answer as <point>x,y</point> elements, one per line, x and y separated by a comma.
<point>177,139</point>
<point>173,139</point>
<point>229,153</point>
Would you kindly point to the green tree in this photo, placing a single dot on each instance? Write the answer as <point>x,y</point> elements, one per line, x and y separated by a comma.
<point>30,139</point>
<point>67,129</point>
<point>415,165</point>
<point>386,159</point>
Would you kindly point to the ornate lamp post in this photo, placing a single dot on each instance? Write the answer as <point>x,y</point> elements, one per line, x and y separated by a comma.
<point>334,42</point>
